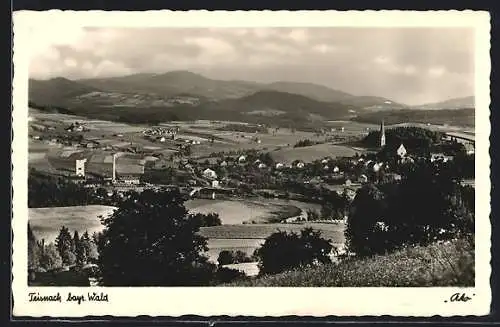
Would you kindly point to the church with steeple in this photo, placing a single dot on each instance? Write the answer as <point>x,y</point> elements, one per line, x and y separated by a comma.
<point>382,135</point>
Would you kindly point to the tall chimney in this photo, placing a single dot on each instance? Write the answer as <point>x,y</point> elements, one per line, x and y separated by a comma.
<point>114,167</point>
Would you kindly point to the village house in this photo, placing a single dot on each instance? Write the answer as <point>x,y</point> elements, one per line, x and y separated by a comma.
<point>440,157</point>
<point>262,165</point>
<point>363,179</point>
<point>129,180</point>
<point>215,183</point>
<point>401,151</point>
<point>300,165</point>
<point>279,165</point>
<point>392,177</point>
<point>209,173</point>
<point>350,193</point>
<point>242,159</point>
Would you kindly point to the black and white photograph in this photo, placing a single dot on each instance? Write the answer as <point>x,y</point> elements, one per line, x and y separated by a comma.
<point>231,157</point>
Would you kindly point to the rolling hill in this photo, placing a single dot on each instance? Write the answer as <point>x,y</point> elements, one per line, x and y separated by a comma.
<point>56,91</point>
<point>185,82</point>
<point>456,117</point>
<point>182,95</point>
<point>455,103</point>
<point>276,107</point>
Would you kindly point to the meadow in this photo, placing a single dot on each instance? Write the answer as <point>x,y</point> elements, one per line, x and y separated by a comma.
<point>46,222</point>
<point>333,232</point>
<point>311,153</point>
<point>244,211</point>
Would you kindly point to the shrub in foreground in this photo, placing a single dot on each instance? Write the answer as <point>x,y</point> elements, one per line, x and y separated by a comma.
<point>283,251</point>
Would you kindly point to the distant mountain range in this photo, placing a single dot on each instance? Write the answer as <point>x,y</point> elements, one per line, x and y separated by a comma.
<point>186,95</point>
<point>456,103</point>
<point>187,83</point>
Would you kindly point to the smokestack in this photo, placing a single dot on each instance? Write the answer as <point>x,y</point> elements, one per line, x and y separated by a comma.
<point>114,167</point>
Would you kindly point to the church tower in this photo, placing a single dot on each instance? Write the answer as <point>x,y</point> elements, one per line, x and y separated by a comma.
<point>382,134</point>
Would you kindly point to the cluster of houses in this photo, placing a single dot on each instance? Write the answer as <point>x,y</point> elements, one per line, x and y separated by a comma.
<point>160,134</point>
<point>76,127</point>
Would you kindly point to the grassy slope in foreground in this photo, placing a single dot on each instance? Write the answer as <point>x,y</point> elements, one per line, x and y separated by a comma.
<point>449,264</point>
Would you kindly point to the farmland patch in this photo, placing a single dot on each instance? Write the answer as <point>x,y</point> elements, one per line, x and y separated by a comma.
<point>46,222</point>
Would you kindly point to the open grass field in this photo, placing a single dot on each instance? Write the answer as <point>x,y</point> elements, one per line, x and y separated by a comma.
<point>239,212</point>
<point>248,238</point>
<point>217,245</point>
<point>311,153</point>
<point>46,222</point>
<point>334,232</point>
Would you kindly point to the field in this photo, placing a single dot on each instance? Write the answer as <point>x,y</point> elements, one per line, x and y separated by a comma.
<point>46,222</point>
<point>113,137</point>
<point>311,153</point>
<point>245,211</point>
<point>334,231</point>
<point>248,238</point>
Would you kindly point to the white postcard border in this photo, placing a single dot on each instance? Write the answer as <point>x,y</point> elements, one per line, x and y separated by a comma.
<point>210,301</point>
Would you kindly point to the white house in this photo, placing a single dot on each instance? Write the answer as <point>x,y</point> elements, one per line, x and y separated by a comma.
<point>215,183</point>
<point>279,165</point>
<point>262,165</point>
<point>80,167</point>
<point>209,173</point>
<point>300,165</point>
<point>223,164</point>
<point>324,161</point>
<point>363,179</point>
<point>440,157</point>
<point>401,151</point>
<point>350,193</point>
<point>336,169</point>
<point>242,159</point>
<point>377,166</point>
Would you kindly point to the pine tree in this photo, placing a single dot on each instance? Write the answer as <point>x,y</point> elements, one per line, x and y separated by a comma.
<point>89,246</point>
<point>33,251</point>
<point>79,250</point>
<point>50,258</point>
<point>64,245</point>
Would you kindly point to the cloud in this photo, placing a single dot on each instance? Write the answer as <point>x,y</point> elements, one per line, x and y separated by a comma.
<point>436,71</point>
<point>408,65</point>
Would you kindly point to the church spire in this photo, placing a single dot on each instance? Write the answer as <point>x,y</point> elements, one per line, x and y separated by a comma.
<point>382,134</point>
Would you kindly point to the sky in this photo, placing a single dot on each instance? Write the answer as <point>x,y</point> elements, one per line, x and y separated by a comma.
<point>407,65</point>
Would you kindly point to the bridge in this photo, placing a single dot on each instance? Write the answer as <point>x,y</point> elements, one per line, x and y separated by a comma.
<point>463,137</point>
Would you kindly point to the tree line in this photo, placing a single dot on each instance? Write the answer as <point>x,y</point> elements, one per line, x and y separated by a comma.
<point>428,205</point>
<point>67,250</point>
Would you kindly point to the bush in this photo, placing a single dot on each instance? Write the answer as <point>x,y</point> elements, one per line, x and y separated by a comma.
<point>207,220</point>
<point>304,143</point>
<point>227,257</point>
<point>283,251</point>
<point>226,275</point>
